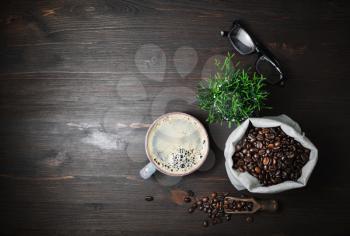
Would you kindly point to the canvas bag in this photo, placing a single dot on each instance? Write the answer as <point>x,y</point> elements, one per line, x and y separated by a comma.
<point>243,180</point>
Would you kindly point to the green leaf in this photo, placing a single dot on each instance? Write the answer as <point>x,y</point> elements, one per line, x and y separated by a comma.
<point>232,94</point>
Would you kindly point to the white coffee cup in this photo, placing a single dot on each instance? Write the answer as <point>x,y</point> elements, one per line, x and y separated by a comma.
<point>176,144</point>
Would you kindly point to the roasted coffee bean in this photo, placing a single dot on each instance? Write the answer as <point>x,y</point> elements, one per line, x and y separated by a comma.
<point>240,163</point>
<point>284,174</point>
<point>149,198</point>
<point>190,210</point>
<point>187,199</point>
<point>259,145</point>
<point>205,223</point>
<point>247,159</point>
<point>266,161</point>
<point>274,161</point>
<point>270,136</point>
<point>290,155</point>
<point>205,199</point>
<point>262,152</point>
<point>265,130</point>
<point>251,137</point>
<point>257,170</point>
<point>213,194</point>
<point>270,155</point>
<point>249,219</point>
<point>250,206</point>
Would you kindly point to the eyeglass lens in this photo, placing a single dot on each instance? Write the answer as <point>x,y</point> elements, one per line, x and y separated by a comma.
<point>242,41</point>
<point>268,69</point>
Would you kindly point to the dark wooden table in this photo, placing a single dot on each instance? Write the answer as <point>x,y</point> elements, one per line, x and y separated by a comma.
<point>81,80</point>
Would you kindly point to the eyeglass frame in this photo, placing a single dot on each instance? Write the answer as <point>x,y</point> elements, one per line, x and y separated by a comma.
<point>259,49</point>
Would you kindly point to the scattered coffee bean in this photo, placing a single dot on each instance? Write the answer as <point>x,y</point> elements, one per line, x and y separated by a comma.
<point>149,198</point>
<point>270,155</point>
<point>190,210</point>
<point>205,223</point>
<point>187,199</point>
<point>249,219</point>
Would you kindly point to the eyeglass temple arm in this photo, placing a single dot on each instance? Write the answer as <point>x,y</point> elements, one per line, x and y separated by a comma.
<point>224,33</point>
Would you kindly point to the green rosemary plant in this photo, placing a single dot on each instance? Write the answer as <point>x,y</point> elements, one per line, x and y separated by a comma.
<point>232,95</point>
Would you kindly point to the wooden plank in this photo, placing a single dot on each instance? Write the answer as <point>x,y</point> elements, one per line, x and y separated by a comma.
<point>76,101</point>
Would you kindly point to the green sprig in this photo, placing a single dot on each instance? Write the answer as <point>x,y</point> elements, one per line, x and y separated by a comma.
<point>232,95</point>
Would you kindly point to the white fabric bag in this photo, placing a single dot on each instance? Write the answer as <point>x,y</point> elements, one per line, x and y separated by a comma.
<point>243,180</point>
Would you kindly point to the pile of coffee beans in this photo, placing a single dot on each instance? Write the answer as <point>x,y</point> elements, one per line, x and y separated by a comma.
<point>270,155</point>
<point>214,207</point>
<point>237,205</point>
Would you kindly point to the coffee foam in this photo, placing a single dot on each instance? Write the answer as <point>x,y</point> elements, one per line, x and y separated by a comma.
<point>177,144</point>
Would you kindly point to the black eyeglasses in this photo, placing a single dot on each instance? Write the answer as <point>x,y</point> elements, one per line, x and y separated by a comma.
<point>266,65</point>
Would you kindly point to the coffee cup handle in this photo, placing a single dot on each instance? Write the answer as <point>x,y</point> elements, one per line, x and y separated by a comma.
<point>148,170</point>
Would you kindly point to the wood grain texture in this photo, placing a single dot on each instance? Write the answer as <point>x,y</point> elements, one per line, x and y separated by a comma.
<point>75,108</point>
